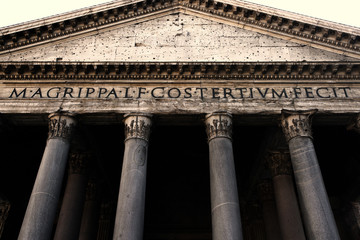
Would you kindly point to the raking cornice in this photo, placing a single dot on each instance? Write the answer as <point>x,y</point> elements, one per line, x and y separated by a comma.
<point>327,35</point>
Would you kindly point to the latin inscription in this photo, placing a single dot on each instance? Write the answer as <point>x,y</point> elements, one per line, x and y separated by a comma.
<point>203,93</point>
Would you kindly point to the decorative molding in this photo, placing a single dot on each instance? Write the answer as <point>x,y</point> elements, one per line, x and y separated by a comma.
<point>218,125</point>
<point>137,125</point>
<point>78,162</point>
<point>279,163</point>
<point>173,70</point>
<point>296,123</point>
<point>240,13</point>
<point>61,126</point>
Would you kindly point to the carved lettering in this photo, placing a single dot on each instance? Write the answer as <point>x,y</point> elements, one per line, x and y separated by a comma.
<point>188,93</point>
<point>49,93</point>
<point>17,95</point>
<point>263,94</point>
<point>154,92</point>
<point>228,91</point>
<point>283,92</point>
<point>202,93</point>
<point>174,93</point>
<point>37,93</point>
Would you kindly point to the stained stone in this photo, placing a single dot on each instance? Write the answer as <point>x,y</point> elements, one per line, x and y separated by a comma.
<point>316,210</point>
<point>225,209</point>
<point>41,211</point>
<point>129,221</point>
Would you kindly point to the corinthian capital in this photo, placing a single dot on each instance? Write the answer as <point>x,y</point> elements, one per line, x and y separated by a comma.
<point>137,125</point>
<point>355,125</point>
<point>265,190</point>
<point>61,125</point>
<point>296,123</point>
<point>78,162</point>
<point>279,163</point>
<point>218,125</point>
<point>91,190</point>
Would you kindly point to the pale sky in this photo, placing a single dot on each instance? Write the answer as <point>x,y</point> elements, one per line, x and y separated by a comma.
<point>344,11</point>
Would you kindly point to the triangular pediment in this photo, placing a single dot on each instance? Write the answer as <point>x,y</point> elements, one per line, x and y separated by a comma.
<point>170,30</point>
<point>175,37</point>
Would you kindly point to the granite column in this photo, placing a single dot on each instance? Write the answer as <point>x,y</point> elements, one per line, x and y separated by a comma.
<point>41,210</point>
<point>269,211</point>
<point>285,197</point>
<point>353,211</point>
<point>69,221</point>
<point>316,210</point>
<point>89,226</point>
<point>129,220</point>
<point>225,209</point>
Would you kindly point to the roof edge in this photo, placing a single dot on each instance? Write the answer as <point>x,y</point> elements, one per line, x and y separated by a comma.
<point>287,24</point>
<point>118,3</point>
<point>65,16</point>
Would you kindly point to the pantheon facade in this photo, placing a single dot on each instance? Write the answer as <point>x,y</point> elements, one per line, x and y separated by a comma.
<point>180,120</point>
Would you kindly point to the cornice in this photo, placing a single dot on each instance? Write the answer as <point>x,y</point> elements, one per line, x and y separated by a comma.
<point>184,70</point>
<point>320,33</point>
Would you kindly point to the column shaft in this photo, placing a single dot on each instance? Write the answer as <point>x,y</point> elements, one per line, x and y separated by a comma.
<point>317,214</point>
<point>269,211</point>
<point>89,226</point>
<point>285,197</point>
<point>226,222</point>
<point>69,221</point>
<point>131,201</point>
<point>41,210</point>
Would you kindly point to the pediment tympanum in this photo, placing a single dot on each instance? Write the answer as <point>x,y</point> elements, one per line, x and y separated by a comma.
<point>179,57</point>
<point>175,37</point>
<point>179,30</point>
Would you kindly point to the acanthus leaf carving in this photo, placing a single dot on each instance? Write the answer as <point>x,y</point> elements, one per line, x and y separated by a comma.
<point>279,163</point>
<point>61,126</point>
<point>137,126</point>
<point>219,125</point>
<point>296,123</point>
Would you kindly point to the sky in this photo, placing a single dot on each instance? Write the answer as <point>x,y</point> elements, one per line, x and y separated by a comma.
<point>344,11</point>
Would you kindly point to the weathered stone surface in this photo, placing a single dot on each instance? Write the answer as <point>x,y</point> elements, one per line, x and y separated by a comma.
<point>176,37</point>
<point>41,210</point>
<point>270,216</point>
<point>69,220</point>
<point>317,214</point>
<point>316,210</point>
<point>171,97</point>
<point>225,208</point>
<point>130,211</point>
<point>285,196</point>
